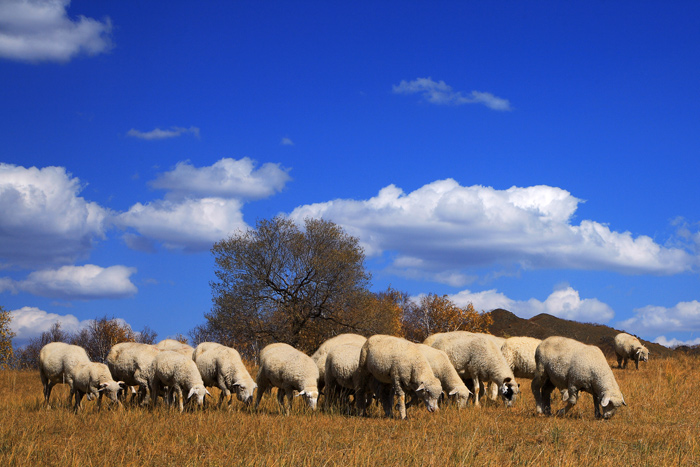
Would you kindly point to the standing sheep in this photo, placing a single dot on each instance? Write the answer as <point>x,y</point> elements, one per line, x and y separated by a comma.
<point>319,357</point>
<point>132,363</point>
<point>94,380</point>
<point>288,369</point>
<point>571,365</point>
<point>399,363</point>
<point>222,367</point>
<point>178,373</point>
<point>176,346</point>
<point>56,363</point>
<point>626,347</point>
<point>341,372</point>
<point>443,370</point>
<point>477,357</point>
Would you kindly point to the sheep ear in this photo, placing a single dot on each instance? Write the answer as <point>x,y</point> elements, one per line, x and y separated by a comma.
<point>507,379</point>
<point>207,393</point>
<point>122,384</point>
<point>192,392</point>
<point>453,392</point>
<point>102,387</point>
<point>605,401</point>
<point>623,402</point>
<point>421,387</point>
<point>301,393</point>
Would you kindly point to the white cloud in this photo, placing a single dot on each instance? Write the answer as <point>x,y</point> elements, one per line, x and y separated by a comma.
<point>189,225</point>
<point>88,282</point>
<point>28,322</point>
<point>565,303</point>
<point>41,30</point>
<point>173,132</point>
<point>227,178</point>
<point>42,218</point>
<point>651,319</point>
<point>287,142</point>
<point>447,228</point>
<point>438,92</point>
<point>673,342</point>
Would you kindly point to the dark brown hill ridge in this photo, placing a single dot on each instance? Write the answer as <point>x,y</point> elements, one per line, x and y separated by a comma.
<point>506,324</point>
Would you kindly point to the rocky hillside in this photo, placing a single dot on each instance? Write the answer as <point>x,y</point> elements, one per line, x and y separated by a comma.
<point>506,324</point>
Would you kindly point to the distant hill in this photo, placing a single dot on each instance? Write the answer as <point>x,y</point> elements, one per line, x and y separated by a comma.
<point>506,324</point>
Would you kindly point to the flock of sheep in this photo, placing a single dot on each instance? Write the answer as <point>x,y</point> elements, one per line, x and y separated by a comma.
<point>458,365</point>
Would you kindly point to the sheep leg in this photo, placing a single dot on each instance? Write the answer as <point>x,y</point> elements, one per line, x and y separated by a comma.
<point>477,390</point>
<point>155,387</point>
<point>536,388</point>
<point>636,361</point>
<point>177,391</point>
<point>624,363</point>
<point>571,401</point>
<point>619,361</point>
<point>78,401</point>
<point>546,397</point>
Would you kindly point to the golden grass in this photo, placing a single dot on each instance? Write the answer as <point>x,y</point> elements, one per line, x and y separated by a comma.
<point>659,427</point>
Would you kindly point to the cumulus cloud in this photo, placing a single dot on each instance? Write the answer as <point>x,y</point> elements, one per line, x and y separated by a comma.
<point>188,225</point>
<point>673,342</point>
<point>440,93</point>
<point>86,282</point>
<point>41,30</point>
<point>445,227</point>
<point>43,220</point>
<point>173,132</point>
<point>29,322</point>
<point>565,303</point>
<point>651,319</point>
<point>227,178</point>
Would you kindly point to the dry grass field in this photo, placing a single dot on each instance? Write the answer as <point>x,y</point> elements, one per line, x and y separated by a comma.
<point>660,427</point>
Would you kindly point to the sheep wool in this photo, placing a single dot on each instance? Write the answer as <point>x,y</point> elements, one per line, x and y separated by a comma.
<point>222,367</point>
<point>443,370</point>
<point>56,363</point>
<point>319,357</point>
<point>180,374</point>
<point>519,352</point>
<point>132,363</point>
<point>95,380</point>
<point>629,347</point>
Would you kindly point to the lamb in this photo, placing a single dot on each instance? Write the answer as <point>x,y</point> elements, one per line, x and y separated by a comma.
<point>477,357</point>
<point>341,371</point>
<point>397,362</point>
<point>626,347</point>
<point>132,363</point>
<point>56,363</point>
<point>222,367</point>
<point>568,364</point>
<point>288,369</point>
<point>95,380</point>
<point>443,370</point>
<point>319,357</point>
<point>520,355</point>
<point>178,373</point>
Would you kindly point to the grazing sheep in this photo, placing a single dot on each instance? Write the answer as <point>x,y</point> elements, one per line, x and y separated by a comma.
<point>222,367</point>
<point>571,365</point>
<point>178,373</point>
<point>626,347</point>
<point>56,363</point>
<point>520,355</point>
<point>288,369</point>
<point>341,375</point>
<point>397,362</point>
<point>439,336</point>
<point>477,357</point>
<point>94,380</point>
<point>132,363</point>
<point>443,370</point>
<point>319,357</point>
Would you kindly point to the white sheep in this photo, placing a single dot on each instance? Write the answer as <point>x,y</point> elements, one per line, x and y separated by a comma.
<point>132,363</point>
<point>288,369</point>
<point>176,346</point>
<point>626,347</point>
<point>56,363</point>
<point>477,357</point>
<point>443,370</point>
<point>400,364</point>
<point>178,373</point>
<point>573,366</point>
<point>222,367</point>
<point>319,357</point>
<point>520,354</point>
<point>341,372</point>
<point>95,380</point>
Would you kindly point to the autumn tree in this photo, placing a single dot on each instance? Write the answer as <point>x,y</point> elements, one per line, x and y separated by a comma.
<point>28,357</point>
<point>6,335</point>
<point>434,313</point>
<point>100,335</point>
<point>281,283</point>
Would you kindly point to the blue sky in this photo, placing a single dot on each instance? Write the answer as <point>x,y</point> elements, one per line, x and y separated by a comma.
<point>535,156</point>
